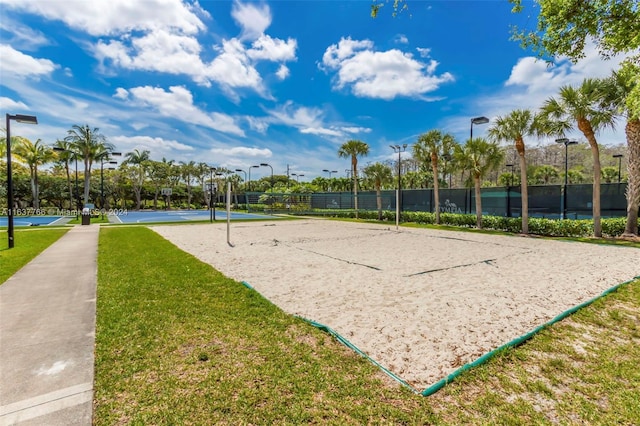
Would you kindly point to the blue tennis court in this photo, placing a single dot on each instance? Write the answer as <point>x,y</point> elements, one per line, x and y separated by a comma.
<point>34,220</point>
<point>180,216</point>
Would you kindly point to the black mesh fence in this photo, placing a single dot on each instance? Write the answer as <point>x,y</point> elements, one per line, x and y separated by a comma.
<point>545,201</point>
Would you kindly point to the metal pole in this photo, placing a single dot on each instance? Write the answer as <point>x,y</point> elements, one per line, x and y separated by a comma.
<point>77,194</point>
<point>9,187</point>
<point>102,187</point>
<point>566,180</point>
<point>211,214</point>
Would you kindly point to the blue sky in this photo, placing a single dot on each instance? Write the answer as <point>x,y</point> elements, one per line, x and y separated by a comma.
<point>235,84</point>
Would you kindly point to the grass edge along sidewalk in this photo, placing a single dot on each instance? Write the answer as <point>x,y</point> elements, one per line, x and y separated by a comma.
<point>177,342</point>
<point>29,244</point>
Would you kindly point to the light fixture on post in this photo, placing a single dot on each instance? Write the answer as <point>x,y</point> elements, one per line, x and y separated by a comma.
<point>619,157</point>
<point>103,161</point>
<point>330,172</point>
<point>269,165</point>
<point>19,118</point>
<point>566,142</point>
<point>399,149</point>
<point>477,120</point>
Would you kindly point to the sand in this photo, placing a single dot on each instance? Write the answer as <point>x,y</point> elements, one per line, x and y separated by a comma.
<point>420,302</point>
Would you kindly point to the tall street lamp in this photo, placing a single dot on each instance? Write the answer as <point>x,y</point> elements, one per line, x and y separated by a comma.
<point>298,176</point>
<point>330,172</point>
<point>212,212</point>
<point>399,149</point>
<point>566,143</point>
<point>477,120</point>
<point>19,118</point>
<point>103,161</point>
<point>269,165</point>
<point>619,157</point>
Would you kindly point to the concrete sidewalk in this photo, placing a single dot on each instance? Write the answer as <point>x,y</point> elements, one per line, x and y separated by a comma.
<point>47,334</point>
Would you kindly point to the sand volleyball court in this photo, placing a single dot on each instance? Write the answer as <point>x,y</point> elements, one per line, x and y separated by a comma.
<point>420,302</point>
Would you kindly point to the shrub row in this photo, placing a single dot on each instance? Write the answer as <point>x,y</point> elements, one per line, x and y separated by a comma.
<point>611,227</point>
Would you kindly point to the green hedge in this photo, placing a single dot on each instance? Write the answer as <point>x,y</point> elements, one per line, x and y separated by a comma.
<point>611,227</point>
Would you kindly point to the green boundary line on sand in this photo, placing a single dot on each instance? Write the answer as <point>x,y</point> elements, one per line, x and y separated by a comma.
<point>481,360</point>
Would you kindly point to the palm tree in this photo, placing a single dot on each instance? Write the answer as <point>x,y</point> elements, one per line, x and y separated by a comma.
<point>188,171</point>
<point>620,87</point>
<point>479,157</point>
<point>139,159</point>
<point>379,174</point>
<point>545,174</point>
<point>34,155</point>
<point>65,156</point>
<point>430,148</point>
<point>353,149</point>
<point>514,127</point>
<point>585,107</point>
<point>89,145</point>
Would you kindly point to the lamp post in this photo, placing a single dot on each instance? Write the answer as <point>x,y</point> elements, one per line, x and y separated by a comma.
<point>102,163</point>
<point>566,143</point>
<point>212,212</point>
<point>298,176</point>
<point>19,118</point>
<point>619,157</point>
<point>477,120</point>
<point>269,165</point>
<point>330,172</point>
<point>399,149</point>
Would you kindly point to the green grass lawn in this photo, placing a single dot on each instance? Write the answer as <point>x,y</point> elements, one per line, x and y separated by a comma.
<point>28,243</point>
<point>179,343</point>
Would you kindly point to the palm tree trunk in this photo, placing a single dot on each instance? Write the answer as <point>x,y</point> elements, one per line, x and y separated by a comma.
<point>476,181</point>
<point>632,129</point>
<point>379,201</point>
<point>586,129</point>
<point>66,167</point>
<point>87,182</point>
<point>524,189</point>
<point>36,193</point>
<point>436,186</point>
<point>354,163</point>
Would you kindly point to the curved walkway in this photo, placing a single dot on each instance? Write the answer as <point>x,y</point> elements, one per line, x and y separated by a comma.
<point>47,334</point>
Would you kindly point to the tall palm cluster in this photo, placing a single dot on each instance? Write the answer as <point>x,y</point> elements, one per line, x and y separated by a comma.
<point>594,105</point>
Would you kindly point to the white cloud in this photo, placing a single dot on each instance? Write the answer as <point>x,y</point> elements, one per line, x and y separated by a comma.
<point>311,121</point>
<point>259,125</point>
<point>243,151</point>
<point>356,129</point>
<point>8,104</point>
<point>121,93</point>
<point>232,67</point>
<point>252,18</point>
<point>272,49</point>
<point>100,18</point>
<point>178,104</point>
<point>17,63</point>
<point>23,37</point>
<point>283,72</point>
<point>423,51</point>
<point>158,147</point>
<point>383,75</point>
<point>401,39</point>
